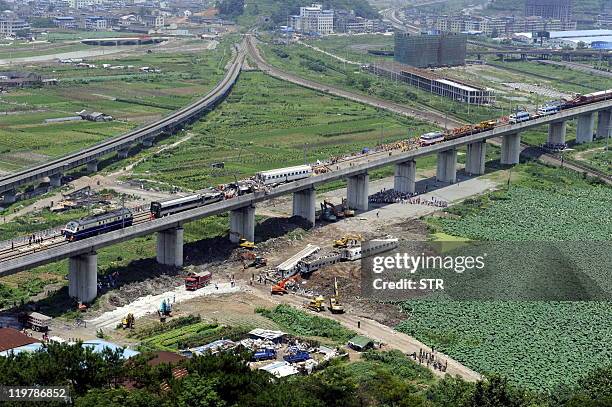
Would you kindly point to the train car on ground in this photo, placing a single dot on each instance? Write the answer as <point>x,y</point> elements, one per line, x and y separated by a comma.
<point>98,224</point>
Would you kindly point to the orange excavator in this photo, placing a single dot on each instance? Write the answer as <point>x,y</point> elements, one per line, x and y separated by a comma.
<point>279,288</point>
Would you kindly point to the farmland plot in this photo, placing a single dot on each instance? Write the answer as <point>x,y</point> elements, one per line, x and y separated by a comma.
<point>538,344</point>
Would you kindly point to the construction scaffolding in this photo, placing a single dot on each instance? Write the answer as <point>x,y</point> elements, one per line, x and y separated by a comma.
<point>461,91</point>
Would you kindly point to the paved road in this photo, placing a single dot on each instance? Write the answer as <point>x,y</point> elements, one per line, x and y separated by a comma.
<point>65,55</point>
<point>421,113</point>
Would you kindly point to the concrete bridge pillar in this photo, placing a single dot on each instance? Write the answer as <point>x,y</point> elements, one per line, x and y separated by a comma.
<point>511,149</point>
<point>170,247</point>
<point>92,166</point>
<point>405,177</point>
<point>55,180</point>
<point>604,123</point>
<point>83,277</point>
<point>123,153</point>
<point>556,132</point>
<point>148,142</point>
<point>10,196</point>
<point>357,191</point>
<point>585,128</point>
<point>476,157</point>
<point>304,205</point>
<point>242,224</point>
<point>447,166</point>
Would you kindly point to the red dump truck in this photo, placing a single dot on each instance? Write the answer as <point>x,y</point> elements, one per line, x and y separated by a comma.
<point>195,281</point>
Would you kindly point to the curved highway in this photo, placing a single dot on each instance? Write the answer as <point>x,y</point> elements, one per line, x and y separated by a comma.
<point>170,123</point>
<point>422,113</point>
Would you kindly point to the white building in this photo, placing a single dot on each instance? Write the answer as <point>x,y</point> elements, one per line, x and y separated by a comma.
<point>314,19</point>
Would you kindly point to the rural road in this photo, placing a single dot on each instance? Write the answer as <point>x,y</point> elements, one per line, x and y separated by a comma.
<point>65,55</point>
<point>421,113</point>
<point>376,331</point>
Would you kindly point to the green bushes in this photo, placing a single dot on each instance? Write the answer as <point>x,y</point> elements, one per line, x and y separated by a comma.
<point>302,324</point>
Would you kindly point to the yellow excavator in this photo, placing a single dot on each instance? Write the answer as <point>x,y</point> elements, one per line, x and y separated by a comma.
<point>316,303</point>
<point>335,306</point>
<point>348,240</point>
<point>128,321</point>
<point>246,244</point>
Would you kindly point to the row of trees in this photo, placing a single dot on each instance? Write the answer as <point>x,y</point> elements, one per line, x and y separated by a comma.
<point>226,380</point>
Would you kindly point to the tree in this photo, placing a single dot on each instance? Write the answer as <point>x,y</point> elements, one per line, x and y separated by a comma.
<point>494,392</point>
<point>118,398</point>
<point>230,8</point>
<point>196,391</point>
<point>450,392</point>
<point>581,45</point>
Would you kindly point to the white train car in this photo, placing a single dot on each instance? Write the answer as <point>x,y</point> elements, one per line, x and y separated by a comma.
<point>285,174</point>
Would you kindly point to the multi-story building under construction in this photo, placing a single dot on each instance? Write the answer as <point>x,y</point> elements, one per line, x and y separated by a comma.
<point>426,50</point>
<point>556,9</point>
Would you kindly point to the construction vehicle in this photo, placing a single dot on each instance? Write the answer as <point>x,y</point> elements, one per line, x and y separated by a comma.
<point>348,212</point>
<point>296,356</point>
<point>279,288</point>
<point>348,240</point>
<point>165,308</point>
<point>246,244</point>
<point>257,262</point>
<point>327,215</point>
<point>316,303</point>
<point>128,321</point>
<point>335,307</point>
<point>194,281</point>
<point>337,213</point>
<point>264,354</point>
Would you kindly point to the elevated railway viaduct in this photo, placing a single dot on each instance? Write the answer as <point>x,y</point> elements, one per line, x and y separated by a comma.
<point>82,253</point>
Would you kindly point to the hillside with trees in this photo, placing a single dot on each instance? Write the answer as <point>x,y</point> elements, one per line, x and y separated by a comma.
<point>279,10</point>
<point>225,379</point>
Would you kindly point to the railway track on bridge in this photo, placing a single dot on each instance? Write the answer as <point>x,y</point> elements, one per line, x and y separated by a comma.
<point>168,124</point>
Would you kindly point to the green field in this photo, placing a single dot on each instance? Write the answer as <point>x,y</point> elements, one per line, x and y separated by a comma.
<point>560,77</point>
<point>266,123</point>
<point>132,97</point>
<point>317,66</point>
<point>540,345</point>
<point>354,47</point>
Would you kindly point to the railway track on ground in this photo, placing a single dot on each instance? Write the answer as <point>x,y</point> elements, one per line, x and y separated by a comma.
<point>422,113</point>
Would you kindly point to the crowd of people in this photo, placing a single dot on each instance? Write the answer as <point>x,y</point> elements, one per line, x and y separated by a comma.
<point>430,359</point>
<point>389,196</point>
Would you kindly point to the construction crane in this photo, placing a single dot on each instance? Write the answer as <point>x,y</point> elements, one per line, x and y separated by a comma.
<point>348,240</point>
<point>334,301</point>
<point>279,288</point>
